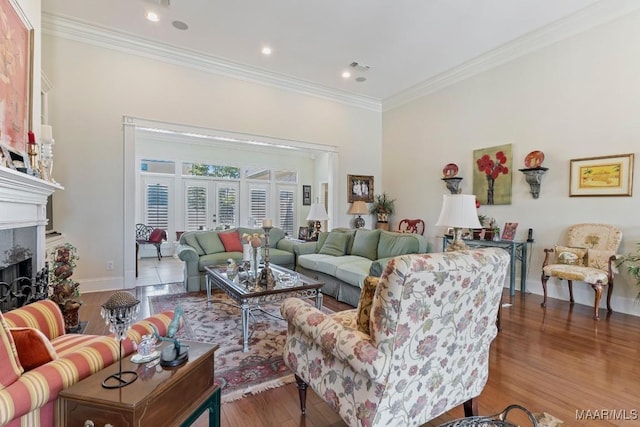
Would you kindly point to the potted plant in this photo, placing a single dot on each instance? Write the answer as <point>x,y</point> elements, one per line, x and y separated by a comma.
<point>382,206</point>
<point>632,263</point>
<point>64,290</point>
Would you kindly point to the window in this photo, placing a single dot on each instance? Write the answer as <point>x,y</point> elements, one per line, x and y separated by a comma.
<point>286,210</point>
<point>257,173</point>
<point>216,171</point>
<point>157,166</point>
<point>286,176</point>
<point>157,206</point>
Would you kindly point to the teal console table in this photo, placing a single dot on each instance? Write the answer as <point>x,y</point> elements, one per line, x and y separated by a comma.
<point>517,251</point>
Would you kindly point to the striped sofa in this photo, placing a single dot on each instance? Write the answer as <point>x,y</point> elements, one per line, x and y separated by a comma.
<point>27,397</point>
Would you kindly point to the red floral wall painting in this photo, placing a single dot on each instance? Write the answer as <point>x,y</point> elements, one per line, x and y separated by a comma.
<point>492,175</point>
<point>16,54</point>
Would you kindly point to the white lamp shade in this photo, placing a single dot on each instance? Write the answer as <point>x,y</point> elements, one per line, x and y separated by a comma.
<point>359,208</point>
<point>459,211</point>
<point>317,213</point>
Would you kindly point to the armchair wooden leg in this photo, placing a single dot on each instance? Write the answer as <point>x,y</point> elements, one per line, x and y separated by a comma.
<point>302,392</point>
<point>597,287</point>
<point>471,407</point>
<point>571,300</point>
<point>544,289</point>
<point>609,292</point>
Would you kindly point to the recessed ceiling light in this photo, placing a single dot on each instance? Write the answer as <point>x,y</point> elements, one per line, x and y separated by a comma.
<point>266,50</point>
<point>346,74</point>
<point>153,17</point>
<point>180,25</point>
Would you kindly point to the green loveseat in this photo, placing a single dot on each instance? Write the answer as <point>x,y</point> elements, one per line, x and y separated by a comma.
<point>343,257</point>
<point>203,248</point>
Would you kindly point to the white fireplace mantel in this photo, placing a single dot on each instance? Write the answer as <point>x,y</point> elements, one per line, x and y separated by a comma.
<point>23,203</point>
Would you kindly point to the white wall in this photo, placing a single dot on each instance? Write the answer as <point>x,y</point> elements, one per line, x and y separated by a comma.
<point>576,98</point>
<point>93,88</point>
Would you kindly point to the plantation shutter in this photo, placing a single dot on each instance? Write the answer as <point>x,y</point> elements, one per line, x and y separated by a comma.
<point>157,206</point>
<point>227,207</point>
<point>286,210</point>
<point>196,207</point>
<point>258,204</point>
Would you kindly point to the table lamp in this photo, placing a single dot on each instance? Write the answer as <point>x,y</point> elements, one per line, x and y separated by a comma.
<point>459,212</point>
<point>119,312</point>
<point>358,208</point>
<point>317,213</point>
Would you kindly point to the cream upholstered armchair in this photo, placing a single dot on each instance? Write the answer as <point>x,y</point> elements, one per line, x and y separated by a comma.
<point>588,257</point>
<point>416,346</point>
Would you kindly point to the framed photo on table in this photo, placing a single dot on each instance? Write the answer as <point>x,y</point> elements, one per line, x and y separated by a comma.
<point>601,176</point>
<point>17,75</point>
<point>360,188</point>
<point>303,233</point>
<point>509,232</point>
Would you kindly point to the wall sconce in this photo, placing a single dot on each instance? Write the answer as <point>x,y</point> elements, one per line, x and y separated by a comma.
<point>534,178</point>
<point>453,184</point>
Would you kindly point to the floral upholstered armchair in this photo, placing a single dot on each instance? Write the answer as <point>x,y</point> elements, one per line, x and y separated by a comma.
<point>416,346</point>
<point>589,257</point>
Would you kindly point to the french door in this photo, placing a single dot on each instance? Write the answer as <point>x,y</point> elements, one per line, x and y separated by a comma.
<point>211,204</point>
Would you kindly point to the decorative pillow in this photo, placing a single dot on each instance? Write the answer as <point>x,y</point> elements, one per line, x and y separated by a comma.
<point>571,256</point>
<point>210,242</point>
<point>10,368</point>
<point>322,237</point>
<point>364,304</point>
<point>231,241</point>
<point>396,244</point>
<point>191,239</point>
<point>597,258</point>
<point>365,244</point>
<point>34,349</point>
<point>336,244</point>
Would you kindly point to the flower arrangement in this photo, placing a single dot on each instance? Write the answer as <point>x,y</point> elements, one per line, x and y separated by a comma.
<point>254,239</point>
<point>492,170</point>
<point>382,204</point>
<point>64,290</point>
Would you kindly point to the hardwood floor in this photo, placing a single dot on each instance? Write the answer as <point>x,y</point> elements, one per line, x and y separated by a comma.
<point>556,360</point>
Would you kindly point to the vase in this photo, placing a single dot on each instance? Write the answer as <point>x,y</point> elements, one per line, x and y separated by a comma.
<point>71,317</point>
<point>255,262</point>
<point>383,217</point>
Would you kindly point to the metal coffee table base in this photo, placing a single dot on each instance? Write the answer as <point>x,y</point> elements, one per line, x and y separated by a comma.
<point>249,302</point>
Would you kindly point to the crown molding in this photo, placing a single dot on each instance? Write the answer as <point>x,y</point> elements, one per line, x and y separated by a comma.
<point>590,17</point>
<point>84,32</point>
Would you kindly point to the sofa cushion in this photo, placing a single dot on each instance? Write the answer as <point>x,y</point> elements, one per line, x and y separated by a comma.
<point>364,304</point>
<point>354,272</point>
<point>365,244</point>
<point>210,243</point>
<point>330,264</point>
<point>322,237</point>
<point>310,261</point>
<point>335,245</point>
<point>191,239</point>
<point>394,244</point>
<point>231,241</point>
<point>10,368</point>
<point>33,347</point>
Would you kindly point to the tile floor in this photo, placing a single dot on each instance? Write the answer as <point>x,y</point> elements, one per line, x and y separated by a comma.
<point>153,272</point>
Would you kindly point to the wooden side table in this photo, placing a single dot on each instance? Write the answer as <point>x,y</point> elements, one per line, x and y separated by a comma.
<point>159,397</point>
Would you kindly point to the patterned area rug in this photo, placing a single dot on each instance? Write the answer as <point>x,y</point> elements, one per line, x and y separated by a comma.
<point>237,373</point>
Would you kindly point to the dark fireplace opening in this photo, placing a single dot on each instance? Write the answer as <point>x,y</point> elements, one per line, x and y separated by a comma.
<point>18,283</point>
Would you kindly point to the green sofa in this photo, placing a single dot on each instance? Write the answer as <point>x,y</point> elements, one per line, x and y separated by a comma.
<point>343,257</point>
<point>203,248</point>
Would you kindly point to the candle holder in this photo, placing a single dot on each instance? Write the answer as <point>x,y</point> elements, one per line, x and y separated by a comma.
<point>32,152</point>
<point>266,278</point>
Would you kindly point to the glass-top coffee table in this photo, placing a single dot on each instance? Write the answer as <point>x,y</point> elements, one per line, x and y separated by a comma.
<point>249,296</point>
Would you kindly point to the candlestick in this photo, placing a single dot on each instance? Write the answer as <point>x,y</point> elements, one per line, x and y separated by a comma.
<point>47,132</point>
<point>32,137</point>
<point>267,223</point>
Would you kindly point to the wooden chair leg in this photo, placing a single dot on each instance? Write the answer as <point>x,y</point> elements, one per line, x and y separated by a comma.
<point>302,392</point>
<point>609,292</point>
<point>471,407</point>
<point>597,287</point>
<point>544,289</point>
<point>159,251</point>
<point>571,300</point>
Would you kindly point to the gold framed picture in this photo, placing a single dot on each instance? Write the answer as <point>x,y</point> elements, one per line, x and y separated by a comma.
<point>601,176</point>
<point>360,188</point>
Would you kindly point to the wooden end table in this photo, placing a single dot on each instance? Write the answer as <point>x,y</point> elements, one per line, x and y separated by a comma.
<point>159,397</point>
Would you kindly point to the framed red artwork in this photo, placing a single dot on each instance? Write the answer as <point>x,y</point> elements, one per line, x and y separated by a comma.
<point>509,232</point>
<point>16,75</point>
